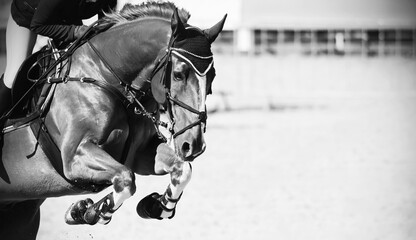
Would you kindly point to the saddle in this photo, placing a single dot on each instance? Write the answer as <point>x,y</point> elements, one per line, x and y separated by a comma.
<point>26,90</point>
<point>36,75</point>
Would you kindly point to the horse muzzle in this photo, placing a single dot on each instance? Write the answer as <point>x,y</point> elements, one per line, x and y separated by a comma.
<point>189,151</point>
<point>190,144</point>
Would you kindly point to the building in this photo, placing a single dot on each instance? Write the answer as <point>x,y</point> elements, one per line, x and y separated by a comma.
<point>368,28</point>
<point>310,27</point>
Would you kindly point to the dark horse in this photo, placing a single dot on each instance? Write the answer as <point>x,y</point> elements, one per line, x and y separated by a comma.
<point>104,119</point>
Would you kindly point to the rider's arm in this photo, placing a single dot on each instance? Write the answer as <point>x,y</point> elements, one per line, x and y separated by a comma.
<point>47,20</point>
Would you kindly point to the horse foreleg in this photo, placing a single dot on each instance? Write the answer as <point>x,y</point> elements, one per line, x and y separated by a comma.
<point>163,206</point>
<point>179,178</point>
<point>97,166</point>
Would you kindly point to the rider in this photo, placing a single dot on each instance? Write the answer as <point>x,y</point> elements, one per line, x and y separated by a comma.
<point>60,20</point>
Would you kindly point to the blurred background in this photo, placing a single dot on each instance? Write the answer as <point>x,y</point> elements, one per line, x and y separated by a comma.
<point>311,131</point>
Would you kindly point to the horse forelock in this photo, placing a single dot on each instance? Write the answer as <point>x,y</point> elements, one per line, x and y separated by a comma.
<point>132,12</point>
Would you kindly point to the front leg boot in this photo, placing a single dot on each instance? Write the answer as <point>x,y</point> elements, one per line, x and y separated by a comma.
<point>151,207</point>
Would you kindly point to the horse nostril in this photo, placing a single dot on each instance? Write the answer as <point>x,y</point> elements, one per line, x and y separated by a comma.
<point>186,148</point>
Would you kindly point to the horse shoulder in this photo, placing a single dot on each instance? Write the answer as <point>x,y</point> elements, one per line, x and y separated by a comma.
<point>79,117</point>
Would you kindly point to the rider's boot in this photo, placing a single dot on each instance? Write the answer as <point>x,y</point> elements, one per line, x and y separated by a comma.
<point>5,100</point>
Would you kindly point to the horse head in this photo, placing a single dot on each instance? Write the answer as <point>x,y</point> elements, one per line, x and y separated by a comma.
<point>184,84</point>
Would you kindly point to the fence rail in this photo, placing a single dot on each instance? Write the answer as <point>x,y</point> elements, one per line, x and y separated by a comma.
<point>363,42</point>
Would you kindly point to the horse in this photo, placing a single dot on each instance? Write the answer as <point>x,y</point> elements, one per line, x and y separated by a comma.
<point>129,99</point>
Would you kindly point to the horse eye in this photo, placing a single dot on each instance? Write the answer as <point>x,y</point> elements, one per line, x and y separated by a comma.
<point>179,76</point>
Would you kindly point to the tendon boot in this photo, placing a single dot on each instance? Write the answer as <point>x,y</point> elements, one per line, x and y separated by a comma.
<point>5,102</point>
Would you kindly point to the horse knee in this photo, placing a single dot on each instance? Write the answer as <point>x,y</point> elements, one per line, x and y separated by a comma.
<point>165,159</point>
<point>124,181</point>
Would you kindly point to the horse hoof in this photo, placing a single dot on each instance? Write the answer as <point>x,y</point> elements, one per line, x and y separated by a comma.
<point>92,215</point>
<point>68,218</point>
<point>75,213</point>
<point>149,208</point>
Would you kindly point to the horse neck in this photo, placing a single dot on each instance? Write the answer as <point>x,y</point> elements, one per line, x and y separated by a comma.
<point>130,49</point>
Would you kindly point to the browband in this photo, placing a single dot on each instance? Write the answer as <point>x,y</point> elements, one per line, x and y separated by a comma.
<point>177,53</point>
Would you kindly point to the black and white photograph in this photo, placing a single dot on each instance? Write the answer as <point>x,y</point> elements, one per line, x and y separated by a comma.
<point>206,120</point>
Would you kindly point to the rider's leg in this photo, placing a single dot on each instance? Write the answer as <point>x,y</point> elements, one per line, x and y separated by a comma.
<point>19,44</point>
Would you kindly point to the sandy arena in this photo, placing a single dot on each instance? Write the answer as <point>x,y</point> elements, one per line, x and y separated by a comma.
<point>331,167</point>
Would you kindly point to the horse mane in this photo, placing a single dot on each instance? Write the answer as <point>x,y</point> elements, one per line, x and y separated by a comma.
<point>131,12</point>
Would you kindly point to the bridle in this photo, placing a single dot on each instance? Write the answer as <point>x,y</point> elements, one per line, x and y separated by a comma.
<point>165,64</point>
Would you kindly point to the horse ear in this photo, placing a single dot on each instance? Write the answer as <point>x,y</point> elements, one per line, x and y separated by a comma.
<point>212,33</point>
<point>176,24</point>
